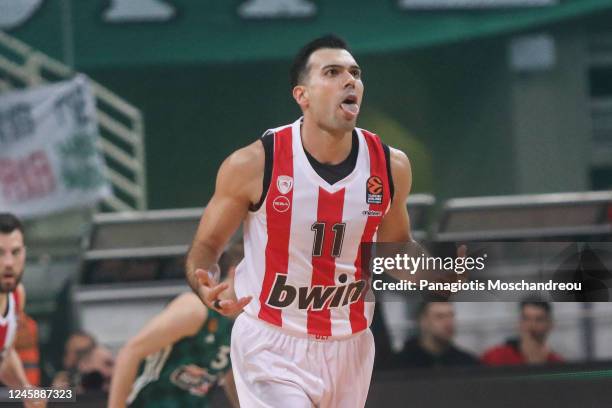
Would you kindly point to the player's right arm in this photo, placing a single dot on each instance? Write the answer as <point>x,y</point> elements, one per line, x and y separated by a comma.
<point>183,317</point>
<point>239,184</point>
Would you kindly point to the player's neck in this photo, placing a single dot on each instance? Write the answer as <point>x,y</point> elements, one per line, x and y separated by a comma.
<point>325,146</point>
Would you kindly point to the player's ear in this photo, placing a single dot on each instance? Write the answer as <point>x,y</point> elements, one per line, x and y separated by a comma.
<point>300,94</point>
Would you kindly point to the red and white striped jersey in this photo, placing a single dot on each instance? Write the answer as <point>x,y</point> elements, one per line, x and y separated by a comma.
<point>8,323</point>
<point>302,262</point>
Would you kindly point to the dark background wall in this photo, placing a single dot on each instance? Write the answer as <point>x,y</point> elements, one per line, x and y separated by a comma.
<point>464,119</point>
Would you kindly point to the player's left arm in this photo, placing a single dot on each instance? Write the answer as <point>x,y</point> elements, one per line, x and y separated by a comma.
<point>229,386</point>
<point>12,373</point>
<point>395,226</point>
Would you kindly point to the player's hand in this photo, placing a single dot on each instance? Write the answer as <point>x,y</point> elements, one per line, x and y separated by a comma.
<point>209,292</point>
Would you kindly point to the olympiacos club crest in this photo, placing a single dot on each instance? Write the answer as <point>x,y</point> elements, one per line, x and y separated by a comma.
<point>284,184</point>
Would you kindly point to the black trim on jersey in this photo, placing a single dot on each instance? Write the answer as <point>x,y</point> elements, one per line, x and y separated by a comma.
<point>267,140</point>
<point>388,160</point>
<point>332,173</point>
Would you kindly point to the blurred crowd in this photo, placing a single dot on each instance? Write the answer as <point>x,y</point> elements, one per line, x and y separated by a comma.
<point>433,345</point>
<point>86,365</point>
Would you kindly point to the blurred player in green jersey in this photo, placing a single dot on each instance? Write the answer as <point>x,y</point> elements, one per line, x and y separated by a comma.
<point>185,351</point>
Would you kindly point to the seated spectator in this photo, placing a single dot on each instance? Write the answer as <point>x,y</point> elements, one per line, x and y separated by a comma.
<point>77,346</point>
<point>96,369</point>
<point>433,346</point>
<point>531,346</point>
<point>87,365</point>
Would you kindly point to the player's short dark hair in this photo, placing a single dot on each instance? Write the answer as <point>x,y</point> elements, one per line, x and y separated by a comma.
<point>231,257</point>
<point>9,223</point>
<point>299,68</point>
<point>423,307</point>
<point>546,306</point>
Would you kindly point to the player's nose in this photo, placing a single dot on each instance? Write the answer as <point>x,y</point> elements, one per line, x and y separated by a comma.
<point>349,80</point>
<point>5,259</point>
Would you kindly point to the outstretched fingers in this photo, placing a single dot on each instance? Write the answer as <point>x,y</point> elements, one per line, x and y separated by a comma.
<point>230,306</point>
<point>213,293</point>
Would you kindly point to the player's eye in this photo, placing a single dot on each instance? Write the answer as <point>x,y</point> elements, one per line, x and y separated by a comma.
<point>332,72</point>
<point>356,73</point>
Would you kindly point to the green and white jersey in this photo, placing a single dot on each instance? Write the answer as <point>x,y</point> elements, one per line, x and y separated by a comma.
<point>182,374</point>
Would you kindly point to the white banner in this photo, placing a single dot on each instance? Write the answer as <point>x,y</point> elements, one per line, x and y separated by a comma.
<point>48,156</point>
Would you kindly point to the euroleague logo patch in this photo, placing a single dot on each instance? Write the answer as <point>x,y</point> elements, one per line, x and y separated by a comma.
<point>374,190</point>
<point>281,204</point>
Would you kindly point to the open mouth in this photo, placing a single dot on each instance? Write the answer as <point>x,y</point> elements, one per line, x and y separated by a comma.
<point>349,105</point>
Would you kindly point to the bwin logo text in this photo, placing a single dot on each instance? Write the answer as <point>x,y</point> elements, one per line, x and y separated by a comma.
<point>315,297</point>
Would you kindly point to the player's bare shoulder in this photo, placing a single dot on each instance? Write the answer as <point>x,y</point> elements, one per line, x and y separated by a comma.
<point>248,158</point>
<point>242,172</point>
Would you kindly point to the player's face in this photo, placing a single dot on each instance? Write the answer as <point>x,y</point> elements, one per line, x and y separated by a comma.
<point>333,89</point>
<point>535,322</point>
<point>439,321</point>
<point>12,260</point>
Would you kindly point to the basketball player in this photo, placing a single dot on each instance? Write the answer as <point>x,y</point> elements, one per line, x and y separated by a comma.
<point>12,302</point>
<point>309,193</point>
<point>186,352</point>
